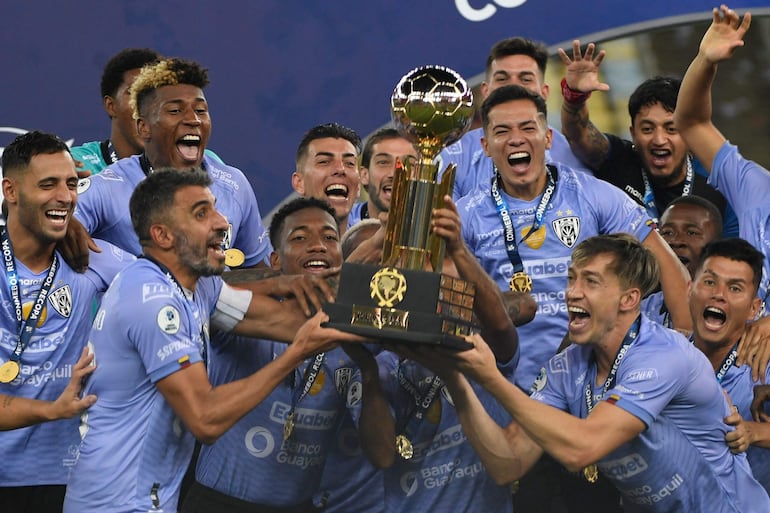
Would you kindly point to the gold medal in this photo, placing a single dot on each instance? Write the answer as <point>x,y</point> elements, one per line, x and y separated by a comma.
<point>288,426</point>
<point>591,473</point>
<point>520,282</point>
<point>8,371</point>
<point>234,257</point>
<point>404,447</point>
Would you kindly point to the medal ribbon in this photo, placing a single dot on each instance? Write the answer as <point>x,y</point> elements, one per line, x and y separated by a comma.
<point>511,246</point>
<point>422,403</point>
<point>311,374</point>
<point>629,339</point>
<point>649,195</point>
<point>727,363</point>
<point>26,328</point>
<point>188,303</point>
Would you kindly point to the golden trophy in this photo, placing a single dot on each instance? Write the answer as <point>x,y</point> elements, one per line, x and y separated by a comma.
<point>407,298</point>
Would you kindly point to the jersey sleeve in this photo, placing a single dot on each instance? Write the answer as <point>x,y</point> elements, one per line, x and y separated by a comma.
<point>91,207</point>
<point>744,183</point>
<point>550,385</point>
<point>616,212</point>
<point>164,335</point>
<point>104,266</point>
<point>647,382</point>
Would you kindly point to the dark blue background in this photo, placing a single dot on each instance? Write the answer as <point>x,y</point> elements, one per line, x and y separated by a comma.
<point>278,67</point>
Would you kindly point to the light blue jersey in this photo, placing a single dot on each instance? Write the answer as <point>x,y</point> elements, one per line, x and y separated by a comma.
<point>133,442</point>
<point>581,207</point>
<point>103,207</point>
<point>445,473</point>
<point>745,184</point>
<point>252,461</point>
<point>740,387</point>
<point>356,212</point>
<point>680,463</point>
<point>655,309</point>
<point>43,454</point>
<point>475,169</point>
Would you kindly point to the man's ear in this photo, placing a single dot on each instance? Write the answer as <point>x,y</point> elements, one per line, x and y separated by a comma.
<point>162,236</point>
<point>10,192</point>
<point>109,106</point>
<point>275,261</point>
<point>143,129</point>
<point>630,299</point>
<point>298,183</point>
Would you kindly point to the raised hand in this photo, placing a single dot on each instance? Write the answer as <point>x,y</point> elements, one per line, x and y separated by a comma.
<point>582,71</point>
<point>724,35</point>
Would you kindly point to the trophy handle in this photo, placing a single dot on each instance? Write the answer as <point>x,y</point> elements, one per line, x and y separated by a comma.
<point>437,244</point>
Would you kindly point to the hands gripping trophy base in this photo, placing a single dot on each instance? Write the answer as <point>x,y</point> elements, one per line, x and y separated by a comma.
<point>407,299</point>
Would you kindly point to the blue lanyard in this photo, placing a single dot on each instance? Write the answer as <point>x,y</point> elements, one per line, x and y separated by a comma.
<point>628,340</point>
<point>309,378</point>
<point>422,403</point>
<point>189,306</point>
<point>511,246</point>
<point>727,363</point>
<point>649,195</point>
<point>26,328</point>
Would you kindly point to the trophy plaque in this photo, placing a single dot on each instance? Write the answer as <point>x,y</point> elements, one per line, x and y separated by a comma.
<point>406,299</point>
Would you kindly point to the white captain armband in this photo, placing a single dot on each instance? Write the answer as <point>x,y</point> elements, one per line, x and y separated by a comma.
<point>232,305</point>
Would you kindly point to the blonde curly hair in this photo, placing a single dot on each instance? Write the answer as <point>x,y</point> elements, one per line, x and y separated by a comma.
<point>165,72</point>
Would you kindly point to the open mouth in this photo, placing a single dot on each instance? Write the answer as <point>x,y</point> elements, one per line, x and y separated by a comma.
<point>218,249</point>
<point>316,265</point>
<point>685,260</point>
<point>714,318</point>
<point>660,157</point>
<point>189,147</point>
<point>57,216</point>
<point>519,158</point>
<point>337,191</point>
<point>578,317</point>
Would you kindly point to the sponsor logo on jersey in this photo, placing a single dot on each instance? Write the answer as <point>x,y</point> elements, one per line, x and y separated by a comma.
<point>624,468</point>
<point>169,320</point>
<point>83,185</point>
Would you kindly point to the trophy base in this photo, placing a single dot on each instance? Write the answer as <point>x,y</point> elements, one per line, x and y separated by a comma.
<point>340,315</point>
<point>432,309</point>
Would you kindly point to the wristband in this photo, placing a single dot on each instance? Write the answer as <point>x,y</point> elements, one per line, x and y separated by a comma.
<point>571,95</point>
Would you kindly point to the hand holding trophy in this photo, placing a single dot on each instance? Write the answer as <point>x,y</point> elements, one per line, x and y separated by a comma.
<point>406,299</point>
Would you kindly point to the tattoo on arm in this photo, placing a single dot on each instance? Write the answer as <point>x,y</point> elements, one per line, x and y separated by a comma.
<point>586,141</point>
<point>7,400</point>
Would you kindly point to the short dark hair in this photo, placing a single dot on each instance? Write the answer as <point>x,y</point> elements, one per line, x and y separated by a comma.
<point>736,249</point>
<point>154,196</point>
<point>165,72</point>
<point>329,130</point>
<point>380,135</point>
<point>295,205</point>
<point>19,153</point>
<point>519,46</point>
<point>663,90</point>
<point>509,93</point>
<point>698,201</point>
<point>632,263</point>
<point>125,60</point>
